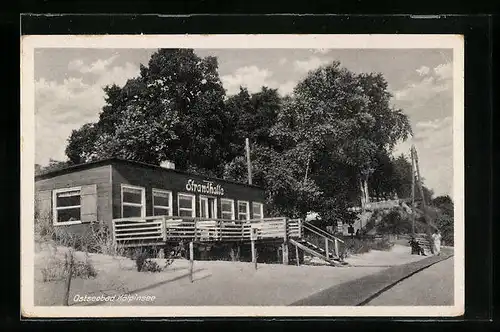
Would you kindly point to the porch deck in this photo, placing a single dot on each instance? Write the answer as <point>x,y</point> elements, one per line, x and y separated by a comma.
<point>131,232</point>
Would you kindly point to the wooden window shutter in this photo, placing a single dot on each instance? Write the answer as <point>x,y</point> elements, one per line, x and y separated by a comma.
<point>88,203</point>
<point>43,204</point>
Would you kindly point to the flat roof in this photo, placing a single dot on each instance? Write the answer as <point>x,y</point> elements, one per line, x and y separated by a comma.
<point>109,161</point>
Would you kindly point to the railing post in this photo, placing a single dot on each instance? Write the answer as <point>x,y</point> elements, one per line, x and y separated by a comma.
<point>195,229</point>
<point>327,252</point>
<point>114,232</point>
<point>191,260</point>
<point>336,247</point>
<point>285,243</point>
<point>164,228</point>
<point>297,257</point>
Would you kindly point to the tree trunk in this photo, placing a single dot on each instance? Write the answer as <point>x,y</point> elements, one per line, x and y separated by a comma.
<point>367,193</point>
<point>307,168</point>
<point>363,196</point>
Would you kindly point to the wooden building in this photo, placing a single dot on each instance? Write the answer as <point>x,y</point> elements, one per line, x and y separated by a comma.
<point>116,188</point>
<point>149,206</point>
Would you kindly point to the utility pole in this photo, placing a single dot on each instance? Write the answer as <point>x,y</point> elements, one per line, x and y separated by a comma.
<point>421,188</point>
<point>412,191</point>
<point>249,165</point>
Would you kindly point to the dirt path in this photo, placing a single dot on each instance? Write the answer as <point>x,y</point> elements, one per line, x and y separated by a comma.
<point>215,282</point>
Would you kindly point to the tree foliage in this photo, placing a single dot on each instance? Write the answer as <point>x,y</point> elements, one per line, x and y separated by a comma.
<point>173,111</point>
<point>310,150</point>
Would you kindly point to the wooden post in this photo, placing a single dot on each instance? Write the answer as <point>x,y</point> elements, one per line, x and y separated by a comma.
<point>191,260</point>
<point>297,258</point>
<point>327,253</point>
<point>69,261</point>
<point>285,242</point>
<point>164,228</point>
<point>285,253</point>
<point>254,253</point>
<point>336,247</point>
<point>249,165</point>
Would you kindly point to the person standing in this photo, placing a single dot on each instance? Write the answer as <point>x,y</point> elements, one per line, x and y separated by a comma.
<point>436,237</point>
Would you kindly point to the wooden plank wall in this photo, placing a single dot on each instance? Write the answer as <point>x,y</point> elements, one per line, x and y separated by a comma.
<point>138,175</point>
<point>100,176</point>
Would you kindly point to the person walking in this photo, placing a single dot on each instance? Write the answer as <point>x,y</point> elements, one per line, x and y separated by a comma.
<point>436,237</point>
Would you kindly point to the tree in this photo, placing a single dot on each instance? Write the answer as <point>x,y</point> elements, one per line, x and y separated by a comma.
<point>338,126</point>
<point>173,110</point>
<point>402,178</point>
<point>80,147</point>
<point>53,165</point>
<point>253,116</point>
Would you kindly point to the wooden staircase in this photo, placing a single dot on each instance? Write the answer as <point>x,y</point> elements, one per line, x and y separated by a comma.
<point>325,246</point>
<point>330,258</point>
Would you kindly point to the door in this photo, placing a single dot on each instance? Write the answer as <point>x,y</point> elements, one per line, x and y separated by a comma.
<point>208,207</point>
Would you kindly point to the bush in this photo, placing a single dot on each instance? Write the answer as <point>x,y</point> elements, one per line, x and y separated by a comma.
<point>58,269</point>
<point>140,258</point>
<point>83,269</point>
<point>445,224</point>
<point>150,266</point>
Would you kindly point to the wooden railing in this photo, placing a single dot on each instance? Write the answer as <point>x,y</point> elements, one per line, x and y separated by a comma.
<point>169,228</point>
<point>322,239</point>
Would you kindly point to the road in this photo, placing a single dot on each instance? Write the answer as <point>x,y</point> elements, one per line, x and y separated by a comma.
<point>432,286</point>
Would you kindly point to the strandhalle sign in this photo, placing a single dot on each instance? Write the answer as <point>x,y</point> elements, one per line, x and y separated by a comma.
<point>207,187</point>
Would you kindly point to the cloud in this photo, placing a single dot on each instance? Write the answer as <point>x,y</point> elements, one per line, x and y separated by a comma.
<point>305,66</point>
<point>63,106</point>
<point>434,143</point>
<point>287,88</point>
<point>282,61</point>
<point>428,97</point>
<point>98,67</point>
<point>251,77</point>
<point>424,70</point>
<point>437,81</point>
<point>444,71</point>
<point>254,78</point>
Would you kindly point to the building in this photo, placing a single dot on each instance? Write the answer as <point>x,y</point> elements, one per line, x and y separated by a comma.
<point>149,205</point>
<point>115,188</point>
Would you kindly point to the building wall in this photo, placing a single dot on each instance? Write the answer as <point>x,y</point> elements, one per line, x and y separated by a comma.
<point>149,178</point>
<point>99,176</point>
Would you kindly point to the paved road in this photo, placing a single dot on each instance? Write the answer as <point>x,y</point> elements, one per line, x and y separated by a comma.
<point>431,286</point>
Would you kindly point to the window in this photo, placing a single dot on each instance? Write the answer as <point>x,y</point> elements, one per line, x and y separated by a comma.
<point>133,201</point>
<point>208,207</point>
<point>243,212</point>
<point>66,206</point>
<point>185,204</point>
<point>257,210</point>
<point>162,202</point>
<point>227,208</point>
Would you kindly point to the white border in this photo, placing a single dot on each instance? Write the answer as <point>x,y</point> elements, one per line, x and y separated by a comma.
<point>28,45</point>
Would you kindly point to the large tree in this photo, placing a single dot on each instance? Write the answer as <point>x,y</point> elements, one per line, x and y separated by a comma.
<point>173,110</point>
<point>329,137</point>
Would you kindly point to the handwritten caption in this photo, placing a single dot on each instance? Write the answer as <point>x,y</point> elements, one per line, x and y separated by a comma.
<point>114,298</point>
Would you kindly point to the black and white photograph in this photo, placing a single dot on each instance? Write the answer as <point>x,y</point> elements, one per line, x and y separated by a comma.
<point>242,175</point>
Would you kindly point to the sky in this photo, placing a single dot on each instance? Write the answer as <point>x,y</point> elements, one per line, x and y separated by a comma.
<point>69,82</point>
